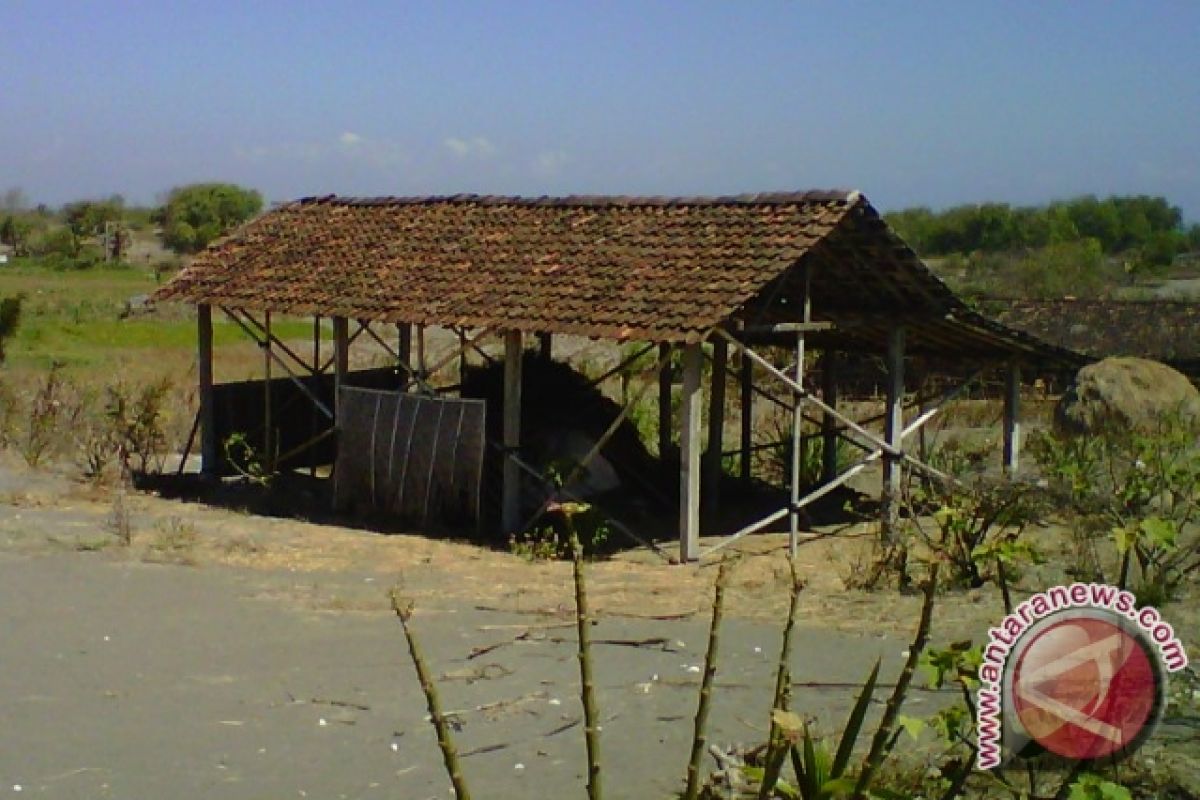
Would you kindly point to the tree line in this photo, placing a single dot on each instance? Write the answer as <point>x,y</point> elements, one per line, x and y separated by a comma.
<point>84,233</point>
<point>1085,246</point>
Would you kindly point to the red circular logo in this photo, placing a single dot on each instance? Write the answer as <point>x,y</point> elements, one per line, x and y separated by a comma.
<point>1085,685</point>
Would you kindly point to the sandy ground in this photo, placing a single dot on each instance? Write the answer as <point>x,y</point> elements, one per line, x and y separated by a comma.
<point>226,655</point>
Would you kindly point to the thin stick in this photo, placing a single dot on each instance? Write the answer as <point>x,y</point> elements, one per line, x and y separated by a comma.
<point>403,609</point>
<point>587,689</point>
<point>778,744</point>
<point>879,751</point>
<point>699,737</point>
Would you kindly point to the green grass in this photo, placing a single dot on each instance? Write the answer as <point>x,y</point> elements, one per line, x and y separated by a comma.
<point>72,317</point>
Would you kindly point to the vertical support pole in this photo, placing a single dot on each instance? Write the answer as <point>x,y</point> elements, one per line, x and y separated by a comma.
<point>204,374</point>
<point>664,402</point>
<point>314,384</point>
<point>747,404</point>
<point>798,422</point>
<point>716,427</point>
<point>894,425</point>
<point>545,346</point>
<point>268,448</point>
<point>421,354</point>
<point>462,359</point>
<point>1012,417</point>
<point>689,460</point>
<point>510,512</point>
<point>829,425</point>
<point>404,349</point>
<point>341,361</point>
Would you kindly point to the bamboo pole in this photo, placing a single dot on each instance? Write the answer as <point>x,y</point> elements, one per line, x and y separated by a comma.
<point>699,736</point>
<point>778,746</point>
<point>403,610</point>
<point>587,689</point>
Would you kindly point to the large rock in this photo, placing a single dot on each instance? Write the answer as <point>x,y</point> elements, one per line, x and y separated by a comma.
<point>1125,393</point>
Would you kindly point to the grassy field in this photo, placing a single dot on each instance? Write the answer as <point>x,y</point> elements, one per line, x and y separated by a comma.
<point>75,319</point>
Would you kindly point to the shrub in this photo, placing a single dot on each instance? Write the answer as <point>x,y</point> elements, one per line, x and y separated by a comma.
<point>1138,490</point>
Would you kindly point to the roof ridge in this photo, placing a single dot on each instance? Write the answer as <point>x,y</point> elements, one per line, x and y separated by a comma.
<point>849,197</point>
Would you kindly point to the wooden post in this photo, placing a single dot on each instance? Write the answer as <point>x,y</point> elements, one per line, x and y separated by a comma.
<point>316,382</point>
<point>404,350</point>
<point>689,456</point>
<point>510,514</point>
<point>1012,417</point>
<point>798,421</point>
<point>209,455</point>
<point>462,359</point>
<point>341,361</point>
<point>664,402</point>
<point>268,451</point>
<point>747,403</point>
<point>716,427</point>
<point>829,435</point>
<point>424,379</point>
<point>894,425</point>
<point>545,346</point>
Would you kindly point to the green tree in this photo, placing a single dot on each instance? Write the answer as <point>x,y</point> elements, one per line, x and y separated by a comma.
<point>195,215</point>
<point>88,218</point>
<point>15,231</point>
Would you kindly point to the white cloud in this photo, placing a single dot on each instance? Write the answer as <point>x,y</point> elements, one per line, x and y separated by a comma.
<point>550,162</point>
<point>348,146</point>
<point>476,147</point>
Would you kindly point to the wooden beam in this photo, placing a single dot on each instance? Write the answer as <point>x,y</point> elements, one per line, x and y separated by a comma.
<point>341,360</point>
<point>1012,418</point>
<point>790,327</point>
<point>829,426</point>
<point>664,402</point>
<point>689,461</point>
<point>545,346</point>
<point>716,427</point>
<point>510,512</point>
<point>747,421</point>
<point>209,454</point>
<point>893,434</point>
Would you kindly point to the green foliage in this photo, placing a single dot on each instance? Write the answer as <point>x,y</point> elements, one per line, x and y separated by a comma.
<point>1093,787</point>
<point>1140,490</point>
<point>978,522</point>
<point>552,541</point>
<point>1118,224</point>
<point>195,215</point>
<point>245,459</point>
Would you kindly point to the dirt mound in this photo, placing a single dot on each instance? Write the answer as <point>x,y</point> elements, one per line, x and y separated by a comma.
<point>1125,393</point>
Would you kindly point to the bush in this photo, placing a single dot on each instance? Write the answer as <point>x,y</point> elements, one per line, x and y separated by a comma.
<point>1136,490</point>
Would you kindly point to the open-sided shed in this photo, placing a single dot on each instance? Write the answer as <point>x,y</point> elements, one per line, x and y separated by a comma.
<point>810,270</point>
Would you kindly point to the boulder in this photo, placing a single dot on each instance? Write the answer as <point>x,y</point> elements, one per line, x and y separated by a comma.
<point>1125,393</point>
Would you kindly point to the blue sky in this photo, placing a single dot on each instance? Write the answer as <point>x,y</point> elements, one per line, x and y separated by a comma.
<point>911,102</point>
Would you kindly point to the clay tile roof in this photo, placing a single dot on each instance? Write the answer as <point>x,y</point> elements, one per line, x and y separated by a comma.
<point>650,268</point>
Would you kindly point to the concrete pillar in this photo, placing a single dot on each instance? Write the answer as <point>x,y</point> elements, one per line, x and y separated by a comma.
<point>1012,417</point>
<point>716,427</point>
<point>689,460</point>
